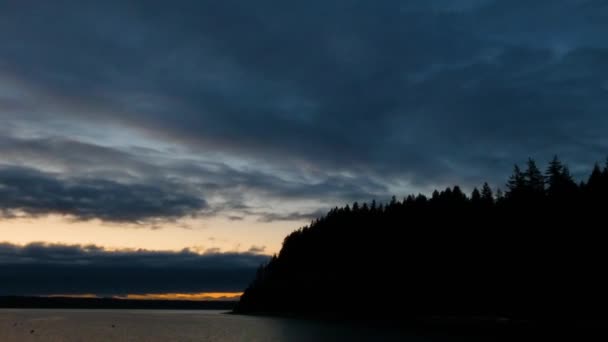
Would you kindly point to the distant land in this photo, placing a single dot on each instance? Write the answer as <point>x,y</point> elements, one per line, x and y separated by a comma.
<point>16,302</point>
<point>535,252</point>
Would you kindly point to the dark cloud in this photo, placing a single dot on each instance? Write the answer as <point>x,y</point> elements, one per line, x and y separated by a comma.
<point>295,216</point>
<point>325,187</point>
<point>33,193</point>
<point>257,249</point>
<point>144,181</point>
<point>77,158</point>
<point>39,269</point>
<point>341,100</point>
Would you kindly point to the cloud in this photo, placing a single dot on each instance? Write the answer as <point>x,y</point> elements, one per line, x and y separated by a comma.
<point>329,99</point>
<point>257,249</point>
<point>76,158</point>
<point>43,269</point>
<point>48,175</point>
<point>295,216</point>
<point>33,193</point>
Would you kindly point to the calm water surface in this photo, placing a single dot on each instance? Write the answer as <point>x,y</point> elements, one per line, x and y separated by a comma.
<point>151,325</point>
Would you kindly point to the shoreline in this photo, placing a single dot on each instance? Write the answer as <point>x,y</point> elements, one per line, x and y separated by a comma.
<point>17,302</point>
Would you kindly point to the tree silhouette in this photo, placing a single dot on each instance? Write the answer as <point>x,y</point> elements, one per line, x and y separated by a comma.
<point>554,175</point>
<point>596,180</point>
<point>516,186</point>
<point>560,184</point>
<point>487,197</point>
<point>476,197</point>
<point>536,252</point>
<point>534,181</point>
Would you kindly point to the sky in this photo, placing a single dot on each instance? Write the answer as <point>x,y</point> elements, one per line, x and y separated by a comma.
<point>185,139</point>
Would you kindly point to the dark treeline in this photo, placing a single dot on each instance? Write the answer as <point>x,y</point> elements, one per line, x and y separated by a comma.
<point>538,250</point>
<point>15,302</point>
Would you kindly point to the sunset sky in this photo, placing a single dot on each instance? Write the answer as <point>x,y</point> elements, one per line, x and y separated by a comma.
<point>147,139</point>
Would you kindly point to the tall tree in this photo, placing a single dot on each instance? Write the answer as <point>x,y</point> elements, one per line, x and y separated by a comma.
<point>567,180</point>
<point>595,179</point>
<point>487,196</point>
<point>554,175</point>
<point>534,179</point>
<point>596,184</point>
<point>516,184</point>
<point>421,199</point>
<point>458,195</point>
<point>393,202</point>
<point>475,196</point>
<point>435,197</point>
<point>605,171</point>
<point>500,196</point>
<point>560,184</point>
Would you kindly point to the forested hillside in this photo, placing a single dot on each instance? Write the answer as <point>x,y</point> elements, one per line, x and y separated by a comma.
<point>537,250</point>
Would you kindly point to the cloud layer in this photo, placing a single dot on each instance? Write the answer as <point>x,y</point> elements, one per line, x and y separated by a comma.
<point>29,192</point>
<point>41,269</point>
<point>83,180</point>
<point>248,103</point>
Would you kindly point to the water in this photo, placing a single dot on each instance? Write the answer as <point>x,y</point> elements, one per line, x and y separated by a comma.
<point>161,325</point>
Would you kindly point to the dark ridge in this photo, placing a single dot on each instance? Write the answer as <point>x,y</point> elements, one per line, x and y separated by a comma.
<point>15,302</point>
<point>535,253</point>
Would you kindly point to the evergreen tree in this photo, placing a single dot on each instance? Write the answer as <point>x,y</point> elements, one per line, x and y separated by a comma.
<point>421,199</point>
<point>500,196</point>
<point>595,179</point>
<point>475,196</point>
<point>446,195</point>
<point>435,196</point>
<point>458,195</point>
<point>568,183</point>
<point>516,184</point>
<point>534,179</point>
<point>393,203</point>
<point>596,184</point>
<point>410,200</point>
<point>487,197</point>
<point>560,184</point>
<point>554,175</point>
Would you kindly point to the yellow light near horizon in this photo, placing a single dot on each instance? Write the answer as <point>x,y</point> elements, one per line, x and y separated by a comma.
<point>200,234</point>
<point>86,295</point>
<point>204,296</point>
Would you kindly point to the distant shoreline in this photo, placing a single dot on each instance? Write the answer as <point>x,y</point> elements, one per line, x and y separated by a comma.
<point>16,302</point>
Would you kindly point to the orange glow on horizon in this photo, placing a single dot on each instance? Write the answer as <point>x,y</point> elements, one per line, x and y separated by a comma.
<point>86,295</point>
<point>204,296</point>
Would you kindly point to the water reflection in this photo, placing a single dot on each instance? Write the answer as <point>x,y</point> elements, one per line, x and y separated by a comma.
<point>112,325</point>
